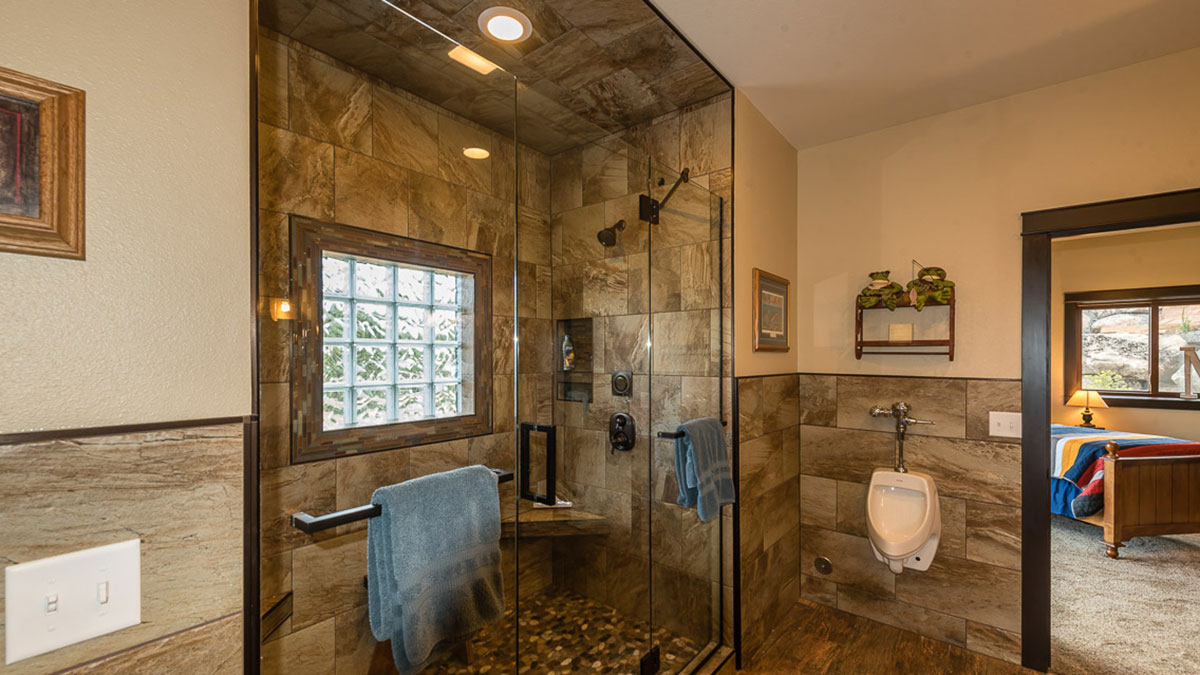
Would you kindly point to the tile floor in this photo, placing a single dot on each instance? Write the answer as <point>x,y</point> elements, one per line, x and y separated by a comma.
<point>564,633</point>
<point>818,639</point>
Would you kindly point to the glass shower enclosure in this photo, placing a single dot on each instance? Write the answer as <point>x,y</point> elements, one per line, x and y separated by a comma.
<point>599,188</point>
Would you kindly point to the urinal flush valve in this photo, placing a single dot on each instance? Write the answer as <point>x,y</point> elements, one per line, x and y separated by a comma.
<point>899,411</point>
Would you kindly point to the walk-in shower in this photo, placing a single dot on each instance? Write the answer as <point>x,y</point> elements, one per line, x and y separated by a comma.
<point>591,165</point>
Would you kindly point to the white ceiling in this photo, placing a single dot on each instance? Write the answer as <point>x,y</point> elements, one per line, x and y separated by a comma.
<point>822,70</point>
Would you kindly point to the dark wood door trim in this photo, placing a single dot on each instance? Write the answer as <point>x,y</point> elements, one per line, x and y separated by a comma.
<point>1167,208</point>
<point>1039,228</point>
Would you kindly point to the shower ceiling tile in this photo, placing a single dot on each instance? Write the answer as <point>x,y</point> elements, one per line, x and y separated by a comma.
<point>689,84</point>
<point>572,60</point>
<point>606,20</point>
<point>653,52</point>
<point>599,65</point>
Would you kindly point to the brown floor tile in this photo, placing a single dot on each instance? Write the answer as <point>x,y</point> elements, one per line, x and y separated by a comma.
<point>817,639</point>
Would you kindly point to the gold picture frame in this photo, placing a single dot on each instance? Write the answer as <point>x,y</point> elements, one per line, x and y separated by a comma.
<point>772,304</point>
<point>41,166</point>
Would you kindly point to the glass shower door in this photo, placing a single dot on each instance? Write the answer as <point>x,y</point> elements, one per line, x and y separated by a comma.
<point>689,365</point>
<point>619,323</point>
<point>582,404</point>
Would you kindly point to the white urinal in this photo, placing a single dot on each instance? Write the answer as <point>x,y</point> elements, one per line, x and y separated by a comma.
<point>904,520</point>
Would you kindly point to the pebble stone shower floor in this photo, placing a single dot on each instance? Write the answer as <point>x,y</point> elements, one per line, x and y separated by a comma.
<point>565,633</point>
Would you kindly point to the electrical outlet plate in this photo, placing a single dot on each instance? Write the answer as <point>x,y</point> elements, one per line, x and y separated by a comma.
<point>1004,424</point>
<point>55,602</point>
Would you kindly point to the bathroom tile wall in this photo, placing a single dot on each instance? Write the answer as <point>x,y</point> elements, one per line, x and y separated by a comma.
<point>770,491</point>
<point>970,596</point>
<point>180,493</point>
<point>673,294</point>
<point>337,145</point>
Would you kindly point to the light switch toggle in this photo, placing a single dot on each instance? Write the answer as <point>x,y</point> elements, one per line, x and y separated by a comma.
<point>64,599</point>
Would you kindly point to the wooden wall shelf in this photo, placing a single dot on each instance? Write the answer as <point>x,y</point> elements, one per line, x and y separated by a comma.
<point>909,348</point>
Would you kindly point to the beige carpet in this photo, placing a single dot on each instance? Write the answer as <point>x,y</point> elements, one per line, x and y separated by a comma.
<point>1137,614</point>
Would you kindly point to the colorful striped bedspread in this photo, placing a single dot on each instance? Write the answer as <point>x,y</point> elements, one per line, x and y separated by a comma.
<point>1077,463</point>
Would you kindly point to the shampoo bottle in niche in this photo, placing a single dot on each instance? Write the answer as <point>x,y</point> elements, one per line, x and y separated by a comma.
<point>568,354</point>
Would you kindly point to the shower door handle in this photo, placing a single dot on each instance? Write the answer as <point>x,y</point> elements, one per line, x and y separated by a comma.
<point>549,498</point>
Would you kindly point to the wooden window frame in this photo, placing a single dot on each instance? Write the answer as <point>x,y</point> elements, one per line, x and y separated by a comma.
<point>1151,298</point>
<point>310,239</point>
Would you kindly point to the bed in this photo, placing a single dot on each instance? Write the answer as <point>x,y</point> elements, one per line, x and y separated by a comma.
<point>1132,485</point>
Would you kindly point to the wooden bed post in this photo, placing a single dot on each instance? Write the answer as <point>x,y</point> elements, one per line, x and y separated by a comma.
<point>1112,531</point>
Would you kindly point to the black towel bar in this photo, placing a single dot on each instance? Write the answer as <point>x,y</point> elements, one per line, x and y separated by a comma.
<point>309,524</point>
<point>679,434</point>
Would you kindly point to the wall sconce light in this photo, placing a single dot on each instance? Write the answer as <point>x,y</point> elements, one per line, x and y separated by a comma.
<point>281,309</point>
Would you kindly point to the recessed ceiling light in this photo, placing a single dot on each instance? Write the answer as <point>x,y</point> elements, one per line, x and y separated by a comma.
<point>476,153</point>
<point>472,60</point>
<point>505,24</point>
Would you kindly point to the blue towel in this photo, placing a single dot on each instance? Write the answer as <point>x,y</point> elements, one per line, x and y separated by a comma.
<point>702,468</point>
<point>433,562</point>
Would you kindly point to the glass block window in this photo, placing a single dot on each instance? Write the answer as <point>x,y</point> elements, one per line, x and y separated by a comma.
<point>395,342</point>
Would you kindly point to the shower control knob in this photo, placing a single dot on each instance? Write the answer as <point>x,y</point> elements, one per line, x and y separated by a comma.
<point>622,383</point>
<point>622,432</point>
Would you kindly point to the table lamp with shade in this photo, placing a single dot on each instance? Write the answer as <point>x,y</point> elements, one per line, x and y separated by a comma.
<point>1087,399</point>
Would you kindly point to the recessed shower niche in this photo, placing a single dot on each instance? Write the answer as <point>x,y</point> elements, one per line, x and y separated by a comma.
<point>575,360</point>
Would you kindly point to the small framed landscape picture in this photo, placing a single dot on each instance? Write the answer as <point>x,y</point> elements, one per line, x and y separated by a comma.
<point>41,166</point>
<point>771,312</point>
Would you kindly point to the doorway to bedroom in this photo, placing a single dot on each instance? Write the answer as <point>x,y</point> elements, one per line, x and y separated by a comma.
<point>1112,323</point>
<point>1122,305</point>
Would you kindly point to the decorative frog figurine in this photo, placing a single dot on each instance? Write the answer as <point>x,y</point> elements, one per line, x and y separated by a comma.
<point>930,284</point>
<point>881,289</point>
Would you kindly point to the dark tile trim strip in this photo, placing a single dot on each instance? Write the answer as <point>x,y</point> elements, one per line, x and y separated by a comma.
<point>86,432</point>
<point>251,625</point>
<point>737,531</point>
<point>877,375</point>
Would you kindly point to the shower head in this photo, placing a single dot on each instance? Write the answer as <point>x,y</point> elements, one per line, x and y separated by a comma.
<point>608,236</point>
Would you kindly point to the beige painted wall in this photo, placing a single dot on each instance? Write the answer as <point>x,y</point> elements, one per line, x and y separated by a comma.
<point>948,190</point>
<point>764,235</point>
<point>155,324</point>
<point>1160,257</point>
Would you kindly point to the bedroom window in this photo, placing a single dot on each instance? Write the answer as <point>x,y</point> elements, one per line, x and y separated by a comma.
<point>392,341</point>
<point>1125,344</point>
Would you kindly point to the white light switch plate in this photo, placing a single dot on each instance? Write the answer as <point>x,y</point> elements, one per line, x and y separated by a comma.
<point>1006,424</point>
<point>55,602</point>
